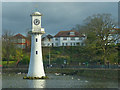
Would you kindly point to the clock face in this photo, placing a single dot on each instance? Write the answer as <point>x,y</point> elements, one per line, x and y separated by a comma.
<point>36,21</point>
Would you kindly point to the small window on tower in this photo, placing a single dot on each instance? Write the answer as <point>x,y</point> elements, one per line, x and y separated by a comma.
<point>36,40</point>
<point>36,52</point>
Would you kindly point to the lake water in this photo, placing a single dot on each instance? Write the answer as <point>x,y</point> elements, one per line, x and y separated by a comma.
<point>56,81</point>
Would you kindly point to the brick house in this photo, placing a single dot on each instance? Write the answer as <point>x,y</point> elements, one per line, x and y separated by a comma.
<point>21,41</point>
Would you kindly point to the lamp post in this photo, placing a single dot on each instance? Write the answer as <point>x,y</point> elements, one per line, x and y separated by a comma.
<point>49,55</point>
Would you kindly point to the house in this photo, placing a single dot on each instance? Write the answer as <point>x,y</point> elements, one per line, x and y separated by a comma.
<point>21,41</point>
<point>114,36</point>
<point>47,40</point>
<point>65,38</point>
<point>69,38</point>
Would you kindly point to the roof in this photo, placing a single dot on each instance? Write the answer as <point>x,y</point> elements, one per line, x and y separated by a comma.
<point>115,31</point>
<point>48,36</point>
<point>20,36</point>
<point>118,30</point>
<point>67,34</point>
<point>36,14</point>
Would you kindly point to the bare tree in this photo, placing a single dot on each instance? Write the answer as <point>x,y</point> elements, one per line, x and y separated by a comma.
<point>8,48</point>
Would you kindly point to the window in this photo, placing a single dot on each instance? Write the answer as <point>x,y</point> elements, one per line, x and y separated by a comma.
<point>77,43</point>
<point>72,33</point>
<point>19,41</point>
<point>72,38</point>
<point>62,44</point>
<point>66,44</point>
<point>36,52</point>
<point>48,44</point>
<point>80,38</point>
<point>23,46</point>
<point>56,44</point>
<point>56,39</point>
<point>23,40</point>
<point>74,44</point>
<point>82,44</point>
<point>71,44</point>
<point>19,45</point>
<point>15,40</point>
<point>36,40</point>
<point>64,38</point>
<point>52,44</point>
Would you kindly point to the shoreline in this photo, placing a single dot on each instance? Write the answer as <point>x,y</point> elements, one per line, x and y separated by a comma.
<point>87,72</point>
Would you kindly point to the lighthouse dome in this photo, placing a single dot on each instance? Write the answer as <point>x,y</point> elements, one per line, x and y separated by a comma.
<point>36,14</point>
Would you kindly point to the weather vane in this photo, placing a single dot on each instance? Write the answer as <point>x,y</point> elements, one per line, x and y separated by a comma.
<point>36,7</point>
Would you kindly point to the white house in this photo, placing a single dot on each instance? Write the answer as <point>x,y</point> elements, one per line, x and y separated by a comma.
<point>47,40</point>
<point>114,36</point>
<point>65,38</point>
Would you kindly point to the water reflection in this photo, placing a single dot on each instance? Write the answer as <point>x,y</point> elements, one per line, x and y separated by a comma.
<point>17,81</point>
<point>36,83</point>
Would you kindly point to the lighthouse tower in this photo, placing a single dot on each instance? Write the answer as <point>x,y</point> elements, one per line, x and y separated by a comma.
<point>36,68</point>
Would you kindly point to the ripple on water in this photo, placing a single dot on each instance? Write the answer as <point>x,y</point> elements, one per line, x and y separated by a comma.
<point>60,81</point>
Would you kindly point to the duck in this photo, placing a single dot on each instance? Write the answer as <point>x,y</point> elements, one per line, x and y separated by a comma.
<point>57,74</point>
<point>86,81</point>
<point>72,77</point>
<point>19,73</point>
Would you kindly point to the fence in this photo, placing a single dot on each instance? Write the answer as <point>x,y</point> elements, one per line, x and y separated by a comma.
<point>83,66</point>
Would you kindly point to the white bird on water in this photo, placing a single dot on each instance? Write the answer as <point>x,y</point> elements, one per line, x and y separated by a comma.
<point>86,81</point>
<point>72,77</point>
<point>64,74</point>
<point>19,73</point>
<point>57,74</point>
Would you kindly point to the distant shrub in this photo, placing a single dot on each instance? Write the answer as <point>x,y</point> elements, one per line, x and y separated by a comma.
<point>25,60</point>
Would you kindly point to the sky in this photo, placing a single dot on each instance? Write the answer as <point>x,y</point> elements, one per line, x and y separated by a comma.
<point>57,16</point>
<point>60,0</point>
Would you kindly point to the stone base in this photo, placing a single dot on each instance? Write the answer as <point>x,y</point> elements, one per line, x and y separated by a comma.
<point>31,78</point>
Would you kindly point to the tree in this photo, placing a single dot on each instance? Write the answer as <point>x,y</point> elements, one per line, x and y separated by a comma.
<point>0,50</point>
<point>80,28</point>
<point>28,37</point>
<point>101,35</point>
<point>100,28</point>
<point>8,48</point>
<point>19,55</point>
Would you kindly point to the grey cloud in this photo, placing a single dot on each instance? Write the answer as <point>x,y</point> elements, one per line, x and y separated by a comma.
<point>61,1</point>
<point>56,16</point>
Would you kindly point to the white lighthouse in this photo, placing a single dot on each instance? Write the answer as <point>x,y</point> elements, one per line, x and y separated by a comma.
<point>36,68</point>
